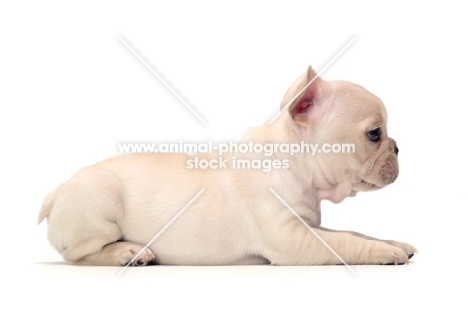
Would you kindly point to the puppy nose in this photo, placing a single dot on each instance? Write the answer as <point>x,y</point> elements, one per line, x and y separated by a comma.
<point>396,150</point>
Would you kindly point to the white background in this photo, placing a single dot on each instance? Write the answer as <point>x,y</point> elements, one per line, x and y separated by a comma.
<point>70,91</point>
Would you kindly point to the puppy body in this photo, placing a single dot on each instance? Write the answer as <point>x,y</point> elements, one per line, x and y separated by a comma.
<point>106,213</point>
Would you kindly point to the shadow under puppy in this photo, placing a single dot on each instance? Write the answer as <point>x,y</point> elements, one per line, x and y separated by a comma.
<point>106,213</point>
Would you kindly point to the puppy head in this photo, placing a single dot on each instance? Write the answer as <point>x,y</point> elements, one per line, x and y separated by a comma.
<point>345,114</point>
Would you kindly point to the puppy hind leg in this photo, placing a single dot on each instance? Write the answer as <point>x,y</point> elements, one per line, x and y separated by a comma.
<point>85,214</point>
<point>93,244</point>
<point>107,249</point>
<point>120,253</point>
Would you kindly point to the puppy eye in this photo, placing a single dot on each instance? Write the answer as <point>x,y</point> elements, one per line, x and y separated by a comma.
<point>374,135</point>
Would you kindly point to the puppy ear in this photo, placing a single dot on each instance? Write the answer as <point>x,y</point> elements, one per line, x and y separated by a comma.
<point>304,93</point>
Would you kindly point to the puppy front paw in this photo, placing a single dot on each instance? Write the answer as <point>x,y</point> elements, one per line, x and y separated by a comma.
<point>407,248</point>
<point>382,253</point>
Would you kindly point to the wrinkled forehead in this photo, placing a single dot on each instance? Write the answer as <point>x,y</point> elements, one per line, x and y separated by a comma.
<point>353,97</point>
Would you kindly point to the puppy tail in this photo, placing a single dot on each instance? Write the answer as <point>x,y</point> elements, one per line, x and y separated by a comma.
<point>47,205</point>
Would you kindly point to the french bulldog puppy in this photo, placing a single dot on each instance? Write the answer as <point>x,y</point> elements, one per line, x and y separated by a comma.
<point>106,213</point>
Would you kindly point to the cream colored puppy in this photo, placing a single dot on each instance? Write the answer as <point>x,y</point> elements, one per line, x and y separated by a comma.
<point>106,213</point>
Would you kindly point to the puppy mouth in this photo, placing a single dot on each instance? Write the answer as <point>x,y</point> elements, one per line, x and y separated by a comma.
<point>367,186</point>
<point>377,179</point>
